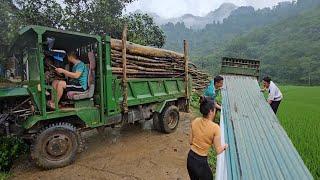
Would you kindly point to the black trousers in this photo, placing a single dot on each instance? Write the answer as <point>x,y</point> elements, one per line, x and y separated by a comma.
<point>198,167</point>
<point>274,105</point>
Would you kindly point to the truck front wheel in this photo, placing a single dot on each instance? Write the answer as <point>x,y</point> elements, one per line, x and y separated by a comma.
<point>169,119</point>
<point>56,146</point>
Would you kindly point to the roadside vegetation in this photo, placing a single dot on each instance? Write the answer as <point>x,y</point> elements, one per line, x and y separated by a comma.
<point>3,176</point>
<point>11,148</point>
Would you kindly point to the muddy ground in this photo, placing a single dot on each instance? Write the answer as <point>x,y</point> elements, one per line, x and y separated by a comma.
<point>129,153</point>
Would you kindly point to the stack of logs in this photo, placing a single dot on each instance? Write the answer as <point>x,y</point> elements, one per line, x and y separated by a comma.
<point>144,61</point>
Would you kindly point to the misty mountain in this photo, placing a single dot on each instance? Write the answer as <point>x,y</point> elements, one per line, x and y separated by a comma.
<point>198,22</point>
<point>221,13</point>
<point>288,50</point>
<point>207,45</point>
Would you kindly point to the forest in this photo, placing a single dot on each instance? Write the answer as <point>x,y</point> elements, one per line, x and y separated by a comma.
<point>99,17</point>
<point>284,38</point>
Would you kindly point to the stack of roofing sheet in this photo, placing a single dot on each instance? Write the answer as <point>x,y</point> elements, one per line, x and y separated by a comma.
<point>259,148</point>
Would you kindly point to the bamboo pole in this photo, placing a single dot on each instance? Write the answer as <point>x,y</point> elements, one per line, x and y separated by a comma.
<point>143,61</point>
<point>124,70</point>
<point>186,73</point>
<point>137,49</point>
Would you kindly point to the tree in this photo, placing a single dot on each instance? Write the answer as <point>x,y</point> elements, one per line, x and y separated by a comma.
<point>7,27</point>
<point>104,17</point>
<point>101,17</point>
<point>95,17</point>
<point>39,12</point>
<point>144,31</point>
<point>282,37</point>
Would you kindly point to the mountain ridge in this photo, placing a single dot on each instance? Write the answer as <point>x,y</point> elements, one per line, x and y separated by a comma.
<point>208,45</point>
<point>196,22</point>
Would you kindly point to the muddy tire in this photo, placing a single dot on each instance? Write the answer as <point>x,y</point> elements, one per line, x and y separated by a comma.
<point>56,146</point>
<point>81,143</point>
<point>169,119</point>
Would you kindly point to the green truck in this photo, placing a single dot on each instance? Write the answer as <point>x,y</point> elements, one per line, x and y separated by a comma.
<point>55,135</point>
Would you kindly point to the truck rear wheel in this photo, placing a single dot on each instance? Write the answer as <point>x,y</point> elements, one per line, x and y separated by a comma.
<point>169,119</point>
<point>56,146</point>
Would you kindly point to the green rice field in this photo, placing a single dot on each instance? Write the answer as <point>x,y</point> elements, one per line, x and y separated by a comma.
<point>299,114</point>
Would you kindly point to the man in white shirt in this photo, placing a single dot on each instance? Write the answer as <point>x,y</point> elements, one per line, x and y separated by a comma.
<point>275,95</point>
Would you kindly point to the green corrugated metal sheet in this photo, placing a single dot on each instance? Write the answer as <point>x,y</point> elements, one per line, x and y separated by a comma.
<point>259,148</point>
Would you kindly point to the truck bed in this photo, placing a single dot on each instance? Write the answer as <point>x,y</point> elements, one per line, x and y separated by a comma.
<point>141,91</point>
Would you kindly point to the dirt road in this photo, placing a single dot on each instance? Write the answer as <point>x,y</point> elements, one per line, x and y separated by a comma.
<point>132,153</point>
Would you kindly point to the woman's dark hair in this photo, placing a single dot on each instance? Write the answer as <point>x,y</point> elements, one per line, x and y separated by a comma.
<point>217,79</point>
<point>267,79</point>
<point>206,104</point>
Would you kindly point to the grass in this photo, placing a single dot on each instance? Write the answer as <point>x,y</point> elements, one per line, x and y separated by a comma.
<point>212,160</point>
<point>299,114</point>
<point>4,176</point>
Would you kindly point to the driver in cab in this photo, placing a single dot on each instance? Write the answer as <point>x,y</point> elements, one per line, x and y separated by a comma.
<point>78,79</point>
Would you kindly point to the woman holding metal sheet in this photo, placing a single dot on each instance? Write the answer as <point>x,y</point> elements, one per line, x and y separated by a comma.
<point>204,134</point>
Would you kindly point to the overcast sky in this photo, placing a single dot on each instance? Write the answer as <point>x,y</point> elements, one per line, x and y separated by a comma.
<point>174,8</point>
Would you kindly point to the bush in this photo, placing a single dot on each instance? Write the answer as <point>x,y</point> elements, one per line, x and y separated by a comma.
<point>4,176</point>
<point>194,100</point>
<point>10,149</point>
<point>212,160</point>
